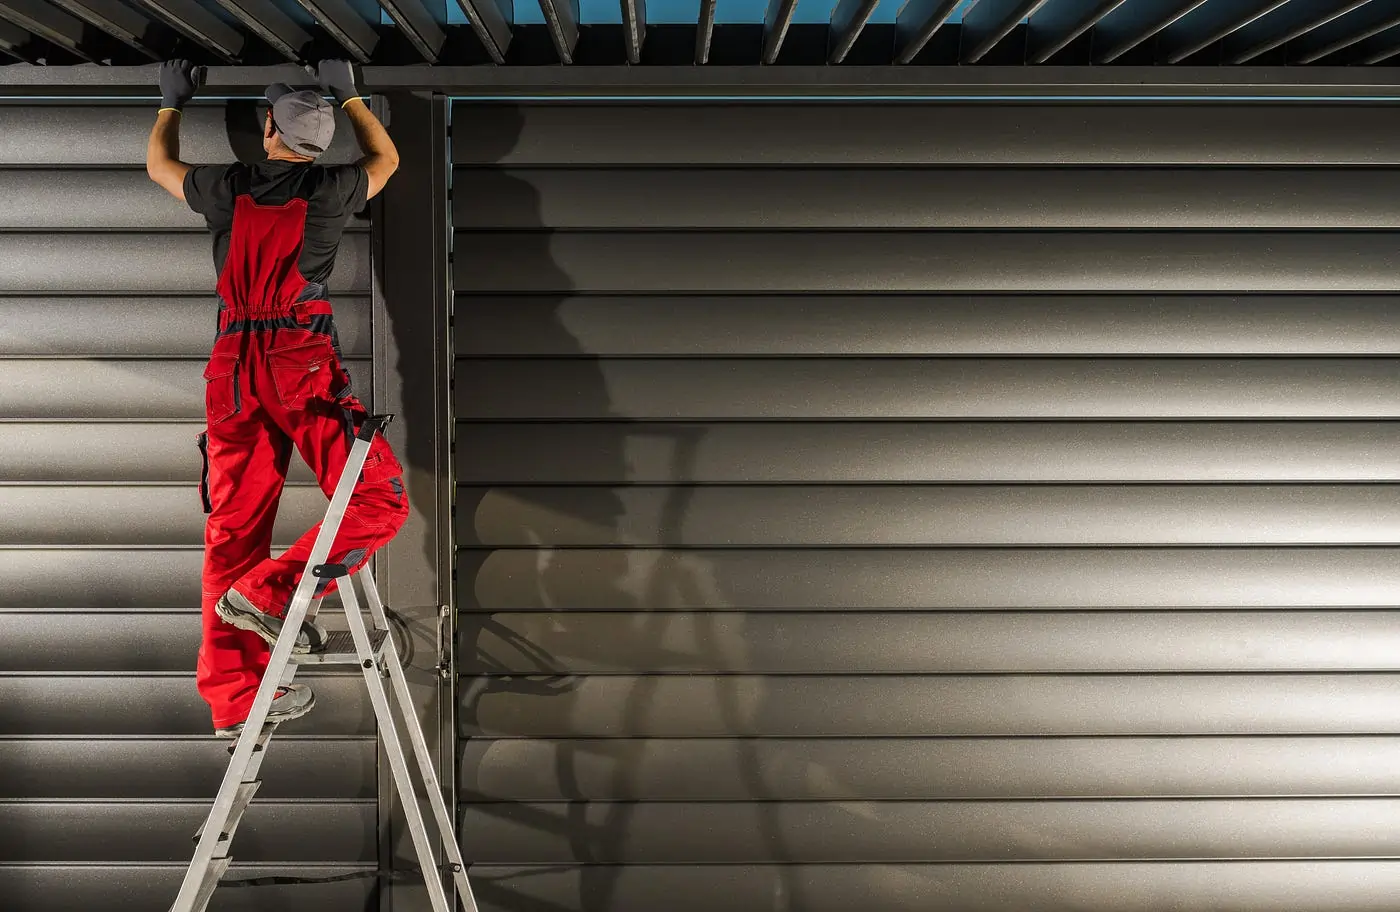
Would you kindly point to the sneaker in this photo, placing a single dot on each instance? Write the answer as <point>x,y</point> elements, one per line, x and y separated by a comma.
<point>235,609</point>
<point>291,702</point>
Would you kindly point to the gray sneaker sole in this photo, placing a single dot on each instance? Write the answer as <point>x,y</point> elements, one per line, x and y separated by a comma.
<point>233,731</point>
<point>269,628</point>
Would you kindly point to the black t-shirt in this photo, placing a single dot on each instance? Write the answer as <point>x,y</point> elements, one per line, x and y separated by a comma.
<point>333,194</point>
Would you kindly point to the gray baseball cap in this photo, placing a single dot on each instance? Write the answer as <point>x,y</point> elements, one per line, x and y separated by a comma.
<point>304,120</point>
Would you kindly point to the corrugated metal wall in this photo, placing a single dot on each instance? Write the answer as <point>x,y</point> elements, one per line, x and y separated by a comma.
<point>929,507</point>
<point>107,765</point>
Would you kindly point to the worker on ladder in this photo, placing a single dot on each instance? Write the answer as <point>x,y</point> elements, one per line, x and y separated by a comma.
<point>274,379</point>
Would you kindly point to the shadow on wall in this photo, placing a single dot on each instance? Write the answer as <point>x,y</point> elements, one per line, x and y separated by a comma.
<point>649,585</point>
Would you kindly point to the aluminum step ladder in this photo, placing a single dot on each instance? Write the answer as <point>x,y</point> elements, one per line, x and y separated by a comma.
<point>372,650</point>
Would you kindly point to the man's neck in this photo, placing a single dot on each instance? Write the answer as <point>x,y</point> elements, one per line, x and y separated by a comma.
<point>292,157</point>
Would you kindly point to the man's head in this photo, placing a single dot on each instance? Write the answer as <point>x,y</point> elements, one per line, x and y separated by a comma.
<point>299,125</point>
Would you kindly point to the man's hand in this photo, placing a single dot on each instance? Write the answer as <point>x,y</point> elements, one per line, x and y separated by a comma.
<point>179,81</point>
<point>338,78</point>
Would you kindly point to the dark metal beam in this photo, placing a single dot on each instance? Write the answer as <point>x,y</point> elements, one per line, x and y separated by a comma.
<point>491,20</point>
<point>562,18</point>
<point>125,24</point>
<point>1344,31</point>
<point>705,32</point>
<point>989,21</point>
<point>634,28</point>
<point>1060,22</point>
<point>1053,83</point>
<point>775,27</point>
<point>915,24</point>
<point>350,27</point>
<point>1298,17</point>
<point>199,25</point>
<point>54,25</point>
<point>1207,25</point>
<point>265,19</point>
<point>848,18</point>
<point>1133,23</point>
<point>421,25</point>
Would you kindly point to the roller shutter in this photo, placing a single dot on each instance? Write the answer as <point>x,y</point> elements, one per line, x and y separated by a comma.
<point>928,506</point>
<point>107,765</point>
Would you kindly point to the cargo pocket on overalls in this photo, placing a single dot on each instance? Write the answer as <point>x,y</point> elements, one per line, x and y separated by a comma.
<point>304,373</point>
<point>204,501</point>
<point>221,397</point>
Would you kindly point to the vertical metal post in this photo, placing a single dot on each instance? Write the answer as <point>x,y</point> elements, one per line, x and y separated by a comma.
<point>410,323</point>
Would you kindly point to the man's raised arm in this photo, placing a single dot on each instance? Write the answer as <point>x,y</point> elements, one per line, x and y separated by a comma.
<point>179,80</point>
<point>381,157</point>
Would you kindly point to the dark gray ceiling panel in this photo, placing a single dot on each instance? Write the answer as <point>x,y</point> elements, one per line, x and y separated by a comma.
<point>833,325</point>
<point>875,262</point>
<point>914,831</point>
<point>988,22</point>
<point>135,390</point>
<point>886,199</point>
<point>1240,886</point>
<point>43,134</point>
<point>303,830</point>
<point>131,515</point>
<point>174,768</point>
<point>672,390</point>
<point>810,580</point>
<point>144,325</point>
<point>915,24</point>
<point>933,134</point>
<point>269,22</point>
<point>828,643</point>
<point>1344,31</point>
<point>848,19</point>
<point>1208,24</point>
<point>1291,21</point>
<point>42,200</point>
<point>836,769</point>
<point>111,452</point>
<point>1060,22</point>
<point>196,22</point>
<point>1131,24</point>
<point>144,579</point>
<point>909,453</point>
<point>158,704</point>
<point>730,706</point>
<point>141,888</point>
<point>174,263</point>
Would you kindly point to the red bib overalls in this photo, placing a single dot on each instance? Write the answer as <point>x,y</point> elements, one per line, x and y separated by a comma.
<point>274,381</point>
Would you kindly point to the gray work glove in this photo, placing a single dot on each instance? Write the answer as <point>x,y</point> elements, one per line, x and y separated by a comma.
<point>338,78</point>
<point>179,81</point>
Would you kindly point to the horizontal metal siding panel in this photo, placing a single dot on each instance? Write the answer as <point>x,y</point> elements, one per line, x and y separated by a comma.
<point>732,706</point>
<point>48,136</point>
<point>110,389</point>
<point>1237,886</point>
<point>836,769</point>
<point>314,831</point>
<point>142,326</point>
<point>174,768</point>
<point>148,515</point>
<point>870,324</point>
<point>991,579</point>
<point>110,452</point>
<point>77,199</point>
<point>673,262</point>
<point>906,388</point>
<point>157,704</point>
<point>571,642</point>
<point>910,133</point>
<point>909,831</point>
<point>750,516</point>
<point>91,263</point>
<point>935,198</point>
<point>912,453</point>
<point>132,580</point>
<point>142,888</point>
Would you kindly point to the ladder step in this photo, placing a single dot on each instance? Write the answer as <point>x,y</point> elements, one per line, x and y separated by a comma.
<point>340,649</point>
<point>242,798</point>
<point>212,875</point>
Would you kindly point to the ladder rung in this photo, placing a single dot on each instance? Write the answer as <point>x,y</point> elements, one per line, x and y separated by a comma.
<point>340,649</point>
<point>241,799</point>
<point>212,875</point>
